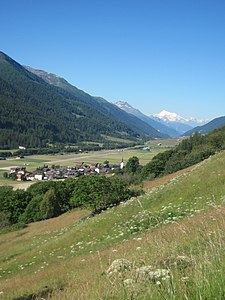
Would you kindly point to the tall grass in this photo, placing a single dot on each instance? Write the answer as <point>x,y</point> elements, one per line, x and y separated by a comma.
<point>177,226</point>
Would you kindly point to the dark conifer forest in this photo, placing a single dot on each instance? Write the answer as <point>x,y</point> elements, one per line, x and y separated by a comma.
<point>34,113</point>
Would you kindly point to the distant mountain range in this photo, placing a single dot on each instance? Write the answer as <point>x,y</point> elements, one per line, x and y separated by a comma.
<point>38,108</point>
<point>165,122</point>
<point>210,126</point>
<point>179,123</point>
<point>173,117</point>
<point>155,123</point>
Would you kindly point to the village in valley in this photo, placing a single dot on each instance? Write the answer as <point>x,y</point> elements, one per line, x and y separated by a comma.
<point>55,172</point>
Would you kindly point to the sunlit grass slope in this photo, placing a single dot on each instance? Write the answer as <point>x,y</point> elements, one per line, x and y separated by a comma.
<point>172,241</point>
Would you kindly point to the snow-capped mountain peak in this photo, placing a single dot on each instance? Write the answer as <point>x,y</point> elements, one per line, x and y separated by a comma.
<point>171,120</point>
<point>173,117</point>
<point>123,104</point>
<point>128,108</point>
<point>170,117</point>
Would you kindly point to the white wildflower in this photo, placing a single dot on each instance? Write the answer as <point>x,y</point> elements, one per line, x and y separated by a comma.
<point>184,279</point>
<point>119,266</point>
<point>146,273</point>
<point>128,282</point>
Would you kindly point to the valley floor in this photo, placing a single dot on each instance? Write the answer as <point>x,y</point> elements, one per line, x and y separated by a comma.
<point>35,161</point>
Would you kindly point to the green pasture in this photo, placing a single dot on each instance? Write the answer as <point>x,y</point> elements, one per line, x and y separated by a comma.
<point>164,143</point>
<point>113,156</point>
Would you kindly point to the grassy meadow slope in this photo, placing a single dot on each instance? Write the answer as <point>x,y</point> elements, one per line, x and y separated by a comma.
<point>172,241</point>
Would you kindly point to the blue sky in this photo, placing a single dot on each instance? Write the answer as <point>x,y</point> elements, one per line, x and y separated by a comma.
<point>154,54</point>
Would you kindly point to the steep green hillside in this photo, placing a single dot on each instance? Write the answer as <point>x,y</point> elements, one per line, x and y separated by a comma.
<point>171,242</point>
<point>34,113</point>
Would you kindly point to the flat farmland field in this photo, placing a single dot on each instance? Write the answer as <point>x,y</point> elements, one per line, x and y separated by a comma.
<point>113,156</point>
<point>165,143</point>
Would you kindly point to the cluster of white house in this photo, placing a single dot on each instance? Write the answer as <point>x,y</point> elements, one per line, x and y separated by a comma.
<point>59,172</point>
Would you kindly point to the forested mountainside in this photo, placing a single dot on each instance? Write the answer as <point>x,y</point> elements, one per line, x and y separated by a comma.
<point>100,104</point>
<point>34,113</point>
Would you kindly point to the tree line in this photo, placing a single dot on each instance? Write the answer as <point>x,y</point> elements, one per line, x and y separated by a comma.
<point>44,200</point>
<point>189,152</point>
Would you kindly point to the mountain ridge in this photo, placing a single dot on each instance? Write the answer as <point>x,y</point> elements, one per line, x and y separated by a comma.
<point>163,128</point>
<point>176,124</point>
<point>35,113</point>
<point>174,117</point>
<point>99,103</point>
<point>208,127</point>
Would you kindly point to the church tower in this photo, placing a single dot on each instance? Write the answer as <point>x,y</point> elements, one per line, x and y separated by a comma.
<point>122,164</point>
